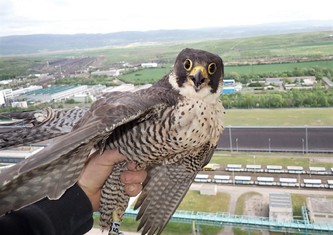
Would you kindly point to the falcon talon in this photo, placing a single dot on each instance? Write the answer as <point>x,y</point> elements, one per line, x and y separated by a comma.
<point>171,128</point>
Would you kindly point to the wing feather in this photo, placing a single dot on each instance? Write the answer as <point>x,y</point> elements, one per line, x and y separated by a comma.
<point>54,169</point>
<point>164,189</point>
<point>161,196</point>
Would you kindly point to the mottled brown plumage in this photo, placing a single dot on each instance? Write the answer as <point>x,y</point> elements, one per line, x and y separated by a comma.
<point>171,128</point>
<point>35,126</point>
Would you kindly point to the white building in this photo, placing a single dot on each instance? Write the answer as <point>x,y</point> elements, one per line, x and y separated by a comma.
<point>5,95</point>
<point>231,86</point>
<point>83,98</point>
<point>21,104</point>
<point>2,98</point>
<point>6,82</point>
<point>110,73</point>
<point>25,90</point>
<point>320,210</point>
<point>149,65</point>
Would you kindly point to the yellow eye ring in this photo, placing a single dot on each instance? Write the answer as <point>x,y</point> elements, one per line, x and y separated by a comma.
<point>212,68</point>
<point>188,64</point>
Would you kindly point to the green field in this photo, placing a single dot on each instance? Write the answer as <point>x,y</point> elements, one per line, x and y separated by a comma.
<point>194,201</point>
<point>272,68</point>
<point>153,74</point>
<point>144,76</point>
<point>288,46</point>
<point>281,159</point>
<point>241,202</point>
<point>172,228</point>
<point>252,50</point>
<point>279,117</point>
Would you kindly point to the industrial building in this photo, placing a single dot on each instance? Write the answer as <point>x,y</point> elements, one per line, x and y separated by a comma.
<point>230,86</point>
<point>54,93</point>
<point>280,207</point>
<point>320,210</point>
<point>5,96</point>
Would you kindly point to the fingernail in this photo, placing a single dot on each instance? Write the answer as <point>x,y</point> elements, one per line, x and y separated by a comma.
<point>131,188</point>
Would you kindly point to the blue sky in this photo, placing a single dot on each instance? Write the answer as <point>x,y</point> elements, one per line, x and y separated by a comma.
<point>19,17</point>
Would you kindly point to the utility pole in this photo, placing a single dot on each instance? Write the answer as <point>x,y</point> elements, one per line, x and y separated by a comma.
<point>230,138</point>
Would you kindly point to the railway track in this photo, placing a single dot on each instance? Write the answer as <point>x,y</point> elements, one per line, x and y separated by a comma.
<point>307,179</point>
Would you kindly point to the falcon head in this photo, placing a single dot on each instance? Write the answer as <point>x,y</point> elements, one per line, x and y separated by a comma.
<point>197,73</point>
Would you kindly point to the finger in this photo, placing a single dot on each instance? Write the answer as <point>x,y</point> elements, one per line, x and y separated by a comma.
<point>109,158</point>
<point>133,189</point>
<point>132,166</point>
<point>133,177</point>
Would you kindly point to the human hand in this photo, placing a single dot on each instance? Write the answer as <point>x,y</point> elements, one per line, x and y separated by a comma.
<point>99,168</point>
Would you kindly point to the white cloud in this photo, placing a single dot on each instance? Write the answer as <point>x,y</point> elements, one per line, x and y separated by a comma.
<point>103,16</point>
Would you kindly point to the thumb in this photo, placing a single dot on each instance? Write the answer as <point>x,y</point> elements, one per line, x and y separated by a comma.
<point>99,168</point>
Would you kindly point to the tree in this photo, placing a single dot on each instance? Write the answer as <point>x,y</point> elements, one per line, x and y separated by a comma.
<point>70,101</point>
<point>233,75</point>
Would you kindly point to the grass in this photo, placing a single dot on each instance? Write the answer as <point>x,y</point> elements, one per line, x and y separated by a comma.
<point>193,201</point>
<point>279,117</point>
<point>282,159</point>
<point>240,211</point>
<point>298,200</point>
<point>241,202</point>
<point>151,75</point>
<point>172,228</point>
<point>271,68</point>
<point>242,231</point>
<point>144,76</point>
<point>277,233</point>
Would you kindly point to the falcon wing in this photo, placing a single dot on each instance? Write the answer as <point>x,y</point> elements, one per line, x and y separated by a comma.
<point>39,126</point>
<point>54,169</point>
<point>164,189</point>
<point>25,117</point>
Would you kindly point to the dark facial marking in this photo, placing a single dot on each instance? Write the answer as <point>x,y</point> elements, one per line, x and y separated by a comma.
<point>213,64</point>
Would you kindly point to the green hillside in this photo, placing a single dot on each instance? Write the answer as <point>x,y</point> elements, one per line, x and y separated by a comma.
<point>251,50</point>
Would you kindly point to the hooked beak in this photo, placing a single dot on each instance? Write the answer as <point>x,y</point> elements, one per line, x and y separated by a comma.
<point>198,75</point>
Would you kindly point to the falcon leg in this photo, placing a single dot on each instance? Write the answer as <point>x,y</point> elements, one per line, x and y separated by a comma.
<point>114,201</point>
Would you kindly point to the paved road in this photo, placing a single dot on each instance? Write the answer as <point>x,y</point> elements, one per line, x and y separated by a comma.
<point>300,139</point>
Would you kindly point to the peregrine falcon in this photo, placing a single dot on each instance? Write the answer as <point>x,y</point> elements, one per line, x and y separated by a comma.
<point>171,128</point>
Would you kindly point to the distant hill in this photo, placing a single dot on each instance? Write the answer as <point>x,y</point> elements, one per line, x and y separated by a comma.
<point>27,44</point>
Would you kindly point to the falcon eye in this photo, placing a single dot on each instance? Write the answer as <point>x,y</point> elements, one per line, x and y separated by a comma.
<point>187,64</point>
<point>212,68</point>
